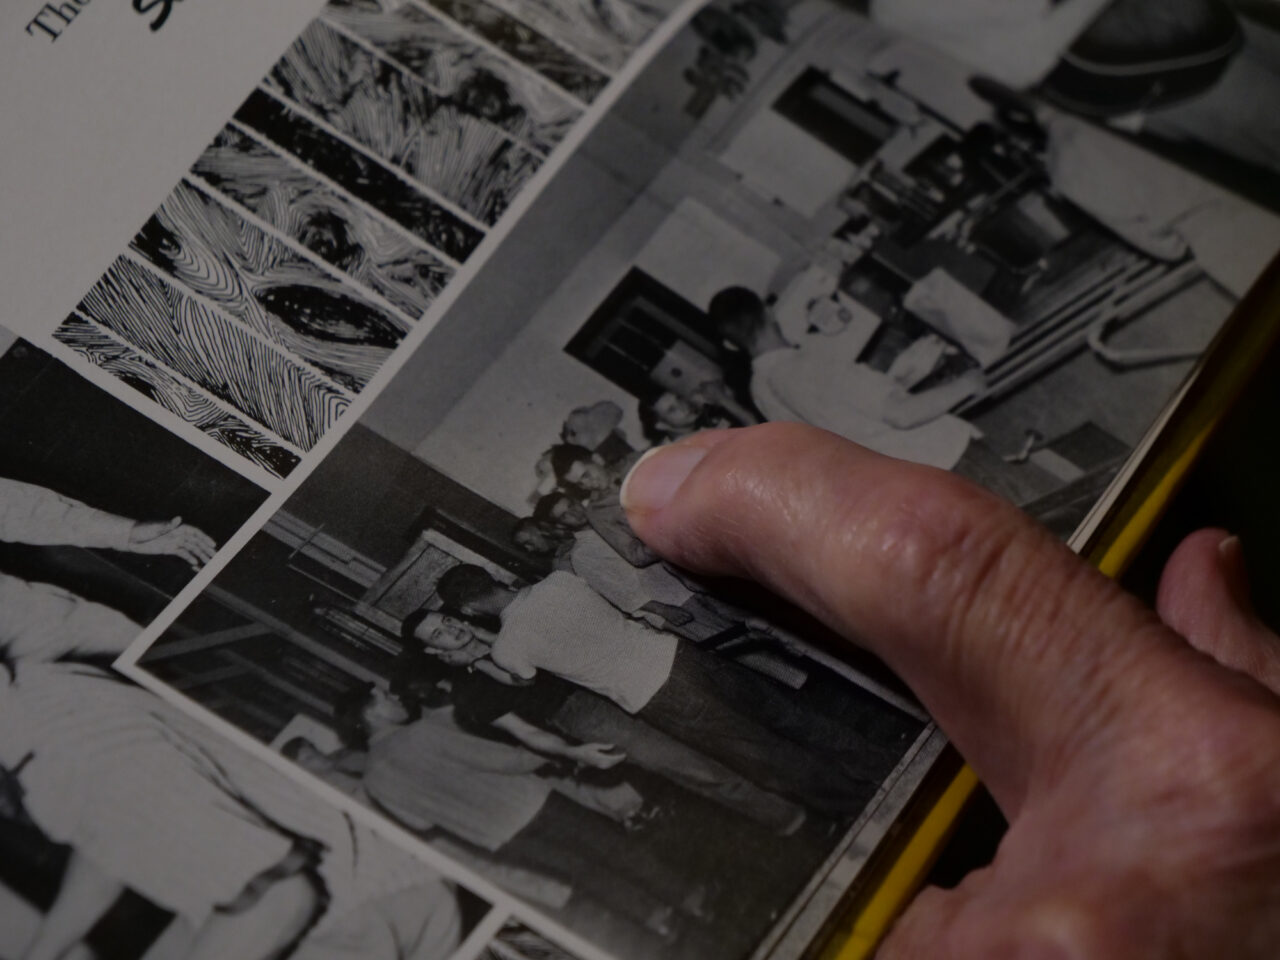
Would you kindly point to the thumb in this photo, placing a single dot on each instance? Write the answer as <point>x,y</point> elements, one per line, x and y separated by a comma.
<point>1204,595</point>
<point>993,623</point>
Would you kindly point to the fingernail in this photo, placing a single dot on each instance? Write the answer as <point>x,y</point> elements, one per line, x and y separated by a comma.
<point>1231,551</point>
<point>656,477</point>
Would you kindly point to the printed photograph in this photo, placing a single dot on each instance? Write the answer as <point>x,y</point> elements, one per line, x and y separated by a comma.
<point>127,829</point>
<point>792,214</point>
<point>1190,79</point>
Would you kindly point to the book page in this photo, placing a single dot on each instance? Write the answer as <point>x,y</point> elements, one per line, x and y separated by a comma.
<point>319,385</point>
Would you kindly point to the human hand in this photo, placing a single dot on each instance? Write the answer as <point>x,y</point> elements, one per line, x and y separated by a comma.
<point>602,756</point>
<point>173,538</point>
<point>1136,753</point>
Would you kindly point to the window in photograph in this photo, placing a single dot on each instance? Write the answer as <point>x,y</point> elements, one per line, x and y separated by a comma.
<point>646,335</point>
<point>852,127</point>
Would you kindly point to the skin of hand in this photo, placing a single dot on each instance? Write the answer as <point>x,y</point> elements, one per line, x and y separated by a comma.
<point>172,538</point>
<point>1135,752</point>
<point>602,756</point>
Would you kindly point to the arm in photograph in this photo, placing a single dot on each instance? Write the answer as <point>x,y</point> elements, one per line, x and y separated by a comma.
<point>492,670</point>
<point>599,755</point>
<point>905,410</point>
<point>609,522</point>
<point>86,894</point>
<point>41,517</point>
<point>918,361</point>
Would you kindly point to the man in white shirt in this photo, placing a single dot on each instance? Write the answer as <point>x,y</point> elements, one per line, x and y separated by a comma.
<point>821,382</point>
<point>745,721</point>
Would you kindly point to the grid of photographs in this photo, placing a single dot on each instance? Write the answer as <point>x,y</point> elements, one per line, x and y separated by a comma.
<point>446,633</point>
<point>327,217</point>
<point>451,624</point>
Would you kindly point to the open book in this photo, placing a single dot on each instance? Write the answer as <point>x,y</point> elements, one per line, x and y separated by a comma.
<point>331,330</point>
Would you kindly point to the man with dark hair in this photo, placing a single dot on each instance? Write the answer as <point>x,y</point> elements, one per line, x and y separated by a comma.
<point>562,627</point>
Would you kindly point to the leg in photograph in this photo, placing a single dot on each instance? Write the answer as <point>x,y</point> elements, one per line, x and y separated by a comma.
<point>590,718</point>
<point>602,862</point>
<point>689,706</point>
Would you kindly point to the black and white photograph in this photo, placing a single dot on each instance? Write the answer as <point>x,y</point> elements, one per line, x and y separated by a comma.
<point>127,829</point>
<point>1194,80</point>
<point>792,213</point>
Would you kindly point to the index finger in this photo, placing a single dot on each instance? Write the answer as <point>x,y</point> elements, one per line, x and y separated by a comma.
<point>1024,654</point>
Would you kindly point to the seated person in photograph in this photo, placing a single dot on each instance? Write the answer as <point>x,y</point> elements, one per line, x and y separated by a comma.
<point>561,627</point>
<point>542,712</point>
<point>821,382</point>
<point>429,774</point>
<point>31,613</point>
<point>595,486</point>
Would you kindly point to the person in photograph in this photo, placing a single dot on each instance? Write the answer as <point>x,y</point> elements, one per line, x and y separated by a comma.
<point>666,416</point>
<point>595,486</point>
<point>561,627</point>
<point>821,382</point>
<point>541,712</point>
<point>33,613</point>
<point>429,774</point>
<point>150,801</point>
